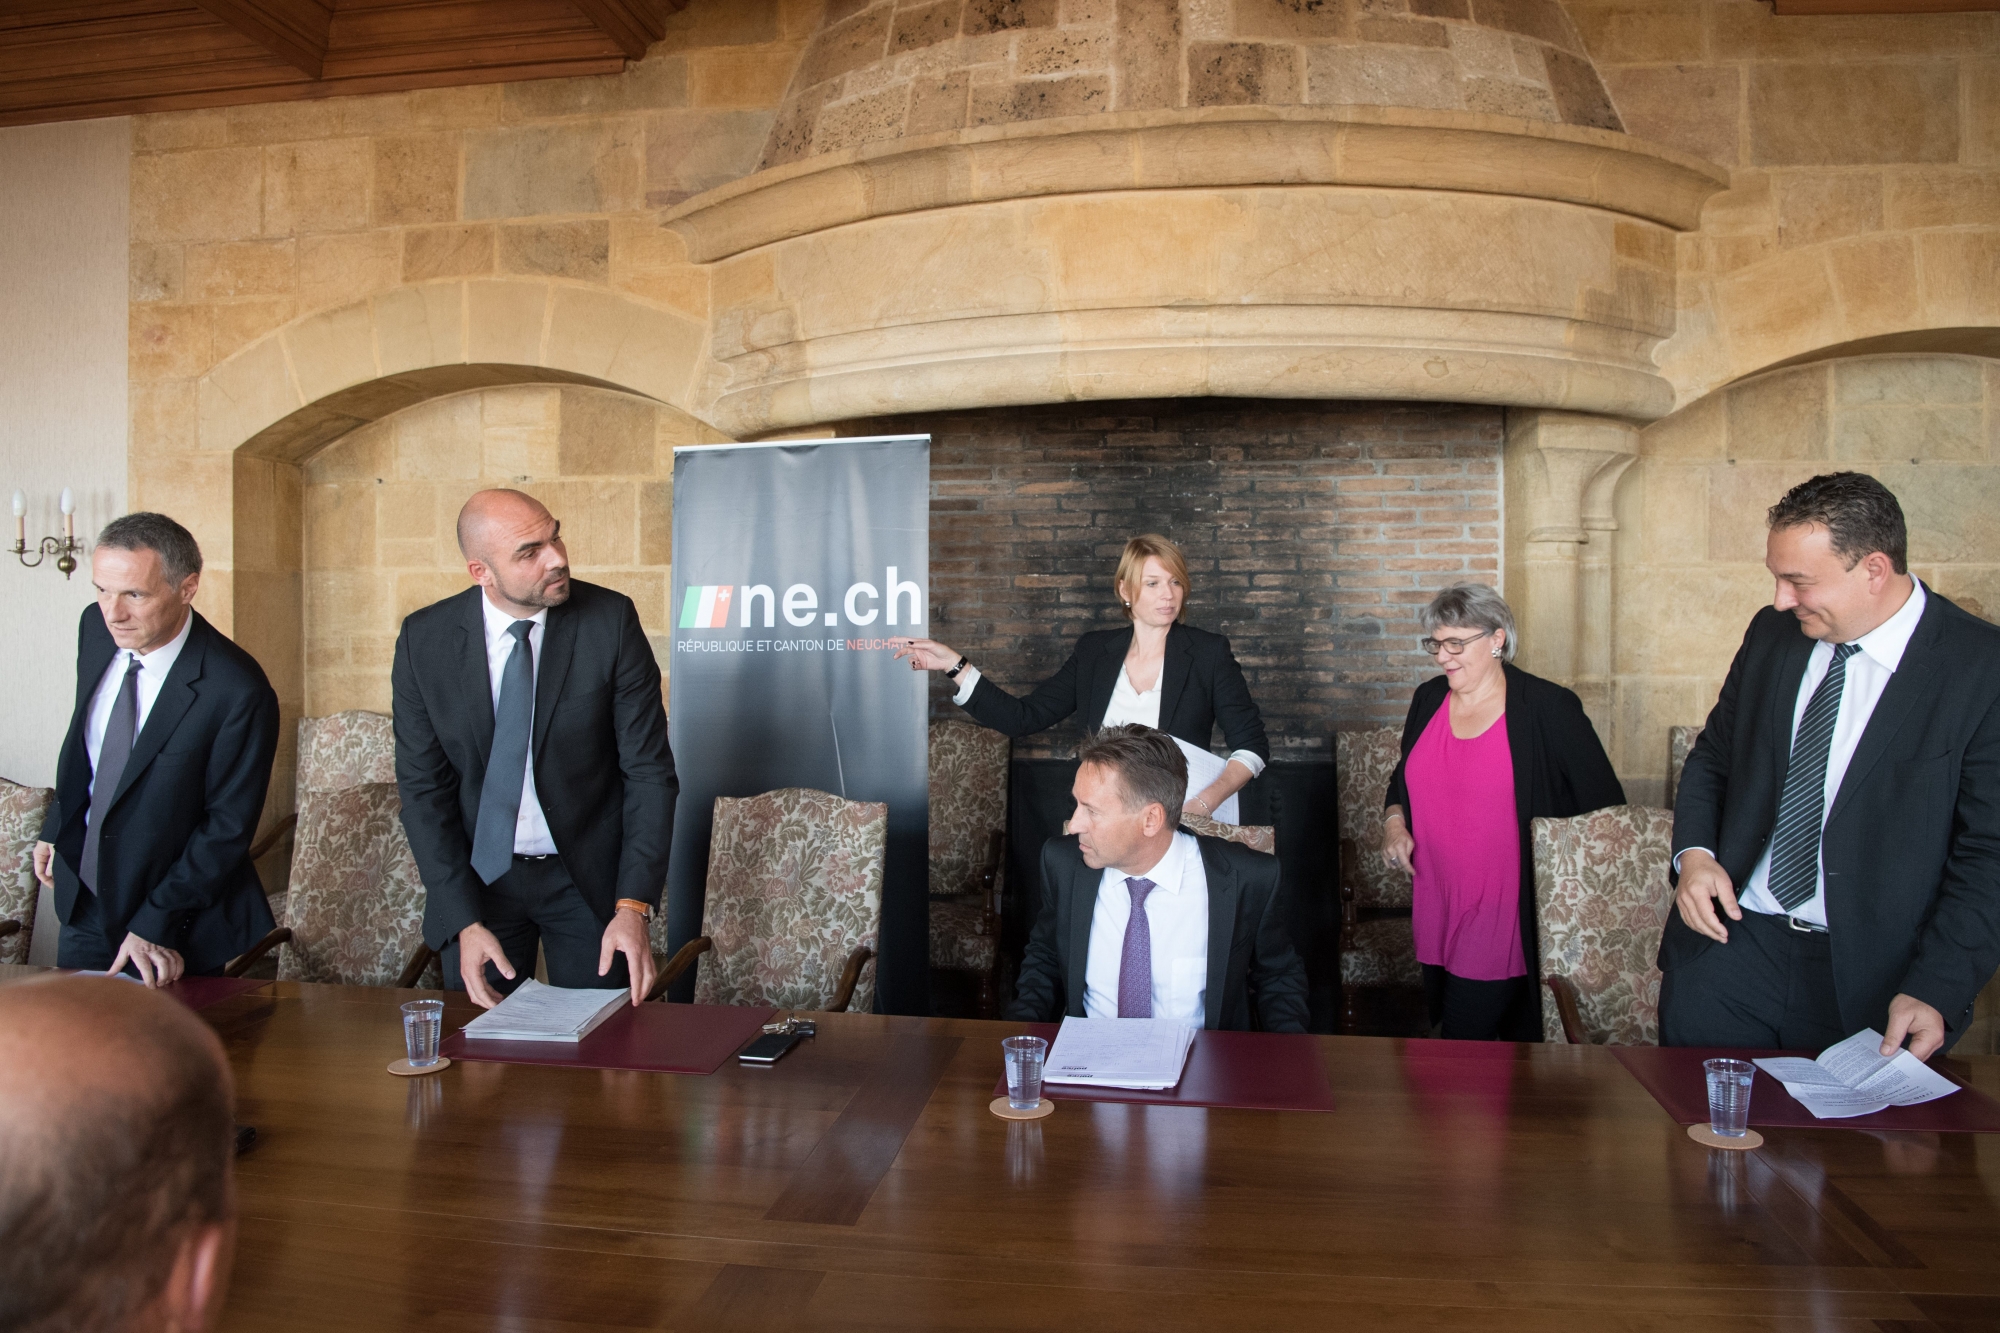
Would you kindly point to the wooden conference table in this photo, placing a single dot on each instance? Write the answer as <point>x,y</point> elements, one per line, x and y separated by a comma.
<point>862,1183</point>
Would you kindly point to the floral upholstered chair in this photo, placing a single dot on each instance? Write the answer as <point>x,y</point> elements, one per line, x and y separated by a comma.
<point>794,902</point>
<point>968,852</point>
<point>356,903</point>
<point>1602,897</point>
<point>22,810</point>
<point>1377,949</point>
<point>1680,744</point>
<point>1257,837</point>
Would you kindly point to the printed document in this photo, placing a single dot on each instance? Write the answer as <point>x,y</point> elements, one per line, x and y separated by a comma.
<point>1204,768</point>
<point>536,1012</point>
<point>1855,1078</point>
<point>1143,1053</point>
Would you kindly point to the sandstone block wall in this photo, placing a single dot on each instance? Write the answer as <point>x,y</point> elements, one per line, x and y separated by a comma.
<point>886,69</point>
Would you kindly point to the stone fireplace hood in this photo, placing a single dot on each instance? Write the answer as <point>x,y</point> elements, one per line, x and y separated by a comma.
<point>1342,252</point>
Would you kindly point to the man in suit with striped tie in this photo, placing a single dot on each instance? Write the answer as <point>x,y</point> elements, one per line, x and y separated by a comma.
<point>1837,827</point>
<point>531,755</point>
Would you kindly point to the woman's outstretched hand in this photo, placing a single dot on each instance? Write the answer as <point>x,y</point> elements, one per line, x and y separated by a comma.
<point>925,654</point>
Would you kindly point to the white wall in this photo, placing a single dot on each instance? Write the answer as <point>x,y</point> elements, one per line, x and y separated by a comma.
<point>64,252</point>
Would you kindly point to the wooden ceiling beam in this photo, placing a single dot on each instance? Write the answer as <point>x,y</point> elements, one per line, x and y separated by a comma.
<point>295,31</point>
<point>633,24</point>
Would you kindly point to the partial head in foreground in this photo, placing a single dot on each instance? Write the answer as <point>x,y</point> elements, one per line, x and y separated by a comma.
<point>147,569</point>
<point>1839,552</point>
<point>1469,632</point>
<point>1131,782</point>
<point>117,1203</point>
<point>513,548</point>
<point>1152,581</point>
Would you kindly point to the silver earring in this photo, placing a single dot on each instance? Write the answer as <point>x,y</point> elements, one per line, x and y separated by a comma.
<point>1496,652</point>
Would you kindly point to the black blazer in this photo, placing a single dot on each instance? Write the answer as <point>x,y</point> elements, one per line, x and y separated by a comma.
<point>603,772</point>
<point>1912,843</point>
<point>1200,684</point>
<point>1560,770</point>
<point>173,861</point>
<point>1251,963</point>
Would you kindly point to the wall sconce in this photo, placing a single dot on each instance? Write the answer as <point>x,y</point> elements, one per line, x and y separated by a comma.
<point>63,548</point>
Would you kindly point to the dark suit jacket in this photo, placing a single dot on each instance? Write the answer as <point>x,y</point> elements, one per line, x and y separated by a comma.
<point>173,862</point>
<point>1251,964</point>
<point>1912,843</point>
<point>603,772</point>
<point>1560,770</point>
<point>1200,684</point>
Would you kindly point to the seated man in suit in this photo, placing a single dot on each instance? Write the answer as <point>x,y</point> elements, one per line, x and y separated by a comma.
<point>531,754</point>
<point>117,1211</point>
<point>1142,920</point>
<point>162,777</point>
<point>1837,827</point>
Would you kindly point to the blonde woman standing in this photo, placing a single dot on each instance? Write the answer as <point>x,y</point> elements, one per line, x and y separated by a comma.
<point>1156,672</point>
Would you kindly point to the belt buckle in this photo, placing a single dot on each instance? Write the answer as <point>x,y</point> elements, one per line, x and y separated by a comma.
<point>1804,927</point>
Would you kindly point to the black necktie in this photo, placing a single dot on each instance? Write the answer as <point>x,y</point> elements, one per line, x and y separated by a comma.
<point>112,753</point>
<point>507,764</point>
<point>1802,807</point>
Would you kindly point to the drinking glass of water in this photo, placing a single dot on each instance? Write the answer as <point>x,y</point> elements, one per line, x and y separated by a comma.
<point>423,1024</point>
<point>1024,1071</point>
<point>1729,1096</point>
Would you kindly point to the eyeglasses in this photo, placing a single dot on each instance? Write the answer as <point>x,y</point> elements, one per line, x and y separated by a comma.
<point>1454,646</point>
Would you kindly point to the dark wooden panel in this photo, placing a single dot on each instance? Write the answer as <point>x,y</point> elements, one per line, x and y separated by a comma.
<point>120,57</point>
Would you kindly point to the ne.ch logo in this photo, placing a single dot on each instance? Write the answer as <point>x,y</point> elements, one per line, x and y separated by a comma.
<point>756,605</point>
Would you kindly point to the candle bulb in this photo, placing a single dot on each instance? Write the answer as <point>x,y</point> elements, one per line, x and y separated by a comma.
<point>69,513</point>
<point>21,519</point>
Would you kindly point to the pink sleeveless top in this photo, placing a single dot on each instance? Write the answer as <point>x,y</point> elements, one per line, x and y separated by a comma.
<point>1466,911</point>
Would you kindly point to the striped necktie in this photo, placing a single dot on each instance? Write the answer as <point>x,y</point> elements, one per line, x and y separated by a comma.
<point>1802,807</point>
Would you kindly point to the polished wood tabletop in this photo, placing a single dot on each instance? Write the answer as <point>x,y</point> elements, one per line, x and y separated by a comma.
<point>862,1183</point>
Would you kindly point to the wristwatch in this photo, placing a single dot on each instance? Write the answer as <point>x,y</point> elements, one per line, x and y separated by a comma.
<point>641,908</point>
<point>953,673</point>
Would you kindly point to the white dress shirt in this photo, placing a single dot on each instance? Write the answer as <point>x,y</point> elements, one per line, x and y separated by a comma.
<point>153,669</point>
<point>1177,917</point>
<point>531,828</point>
<point>1127,706</point>
<point>1868,673</point>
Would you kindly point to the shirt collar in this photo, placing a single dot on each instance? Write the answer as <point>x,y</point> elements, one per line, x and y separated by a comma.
<point>161,660</point>
<point>1169,874</point>
<point>1888,641</point>
<point>498,622</point>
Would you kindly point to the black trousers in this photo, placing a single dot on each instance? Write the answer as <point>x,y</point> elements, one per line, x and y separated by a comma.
<point>1482,1010</point>
<point>1770,987</point>
<point>82,944</point>
<point>537,903</point>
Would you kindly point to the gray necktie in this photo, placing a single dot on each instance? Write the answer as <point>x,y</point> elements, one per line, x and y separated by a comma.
<point>1135,960</point>
<point>1802,803</point>
<point>112,754</point>
<point>507,764</point>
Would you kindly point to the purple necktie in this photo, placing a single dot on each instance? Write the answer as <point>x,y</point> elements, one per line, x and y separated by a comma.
<point>1135,964</point>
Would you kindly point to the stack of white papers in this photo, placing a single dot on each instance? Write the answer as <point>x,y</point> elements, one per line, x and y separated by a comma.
<point>1144,1053</point>
<point>1203,769</point>
<point>1855,1078</point>
<point>545,1013</point>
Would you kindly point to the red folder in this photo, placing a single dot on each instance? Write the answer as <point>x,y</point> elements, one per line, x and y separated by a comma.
<point>654,1038</point>
<point>1673,1074</point>
<point>1251,1071</point>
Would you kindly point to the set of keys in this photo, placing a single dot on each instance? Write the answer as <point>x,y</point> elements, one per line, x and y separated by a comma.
<point>792,1026</point>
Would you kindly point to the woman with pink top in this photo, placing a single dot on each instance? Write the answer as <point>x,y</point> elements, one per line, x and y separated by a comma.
<point>1486,748</point>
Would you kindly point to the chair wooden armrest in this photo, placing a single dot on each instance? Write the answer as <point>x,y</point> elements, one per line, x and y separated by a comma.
<point>1349,853</point>
<point>236,967</point>
<point>1572,1018</point>
<point>9,927</point>
<point>850,977</point>
<point>263,845</point>
<point>414,972</point>
<point>683,959</point>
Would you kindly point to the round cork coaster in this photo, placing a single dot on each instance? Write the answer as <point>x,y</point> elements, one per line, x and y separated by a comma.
<point>404,1069</point>
<point>1000,1108</point>
<point>1708,1138</point>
